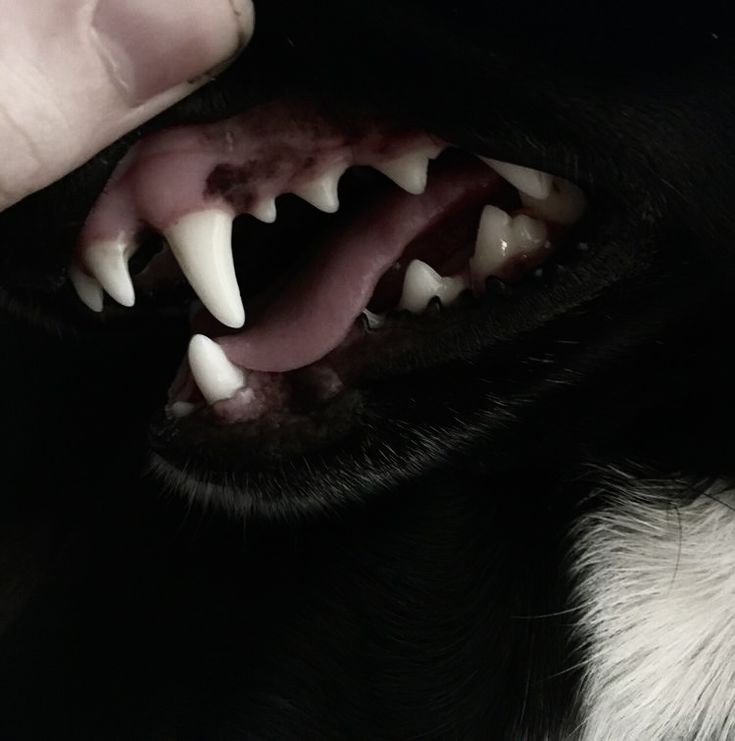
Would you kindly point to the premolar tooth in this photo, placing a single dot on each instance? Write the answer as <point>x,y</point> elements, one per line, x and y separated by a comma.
<point>493,242</point>
<point>564,205</point>
<point>88,288</point>
<point>107,261</point>
<point>322,192</point>
<point>500,237</point>
<point>534,183</point>
<point>410,171</point>
<point>422,283</point>
<point>373,321</point>
<point>265,211</point>
<point>201,244</point>
<point>215,376</point>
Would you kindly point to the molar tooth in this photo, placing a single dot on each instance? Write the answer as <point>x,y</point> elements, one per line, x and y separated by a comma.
<point>107,261</point>
<point>564,205</point>
<point>322,192</point>
<point>88,288</point>
<point>422,283</point>
<point>265,211</point>
<point>215,376</point>
<point>410,171</point>
<point>534,183</point>
<point>493,243</point>
<point>201,244</point>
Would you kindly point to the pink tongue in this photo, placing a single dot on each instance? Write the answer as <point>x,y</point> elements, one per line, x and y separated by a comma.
<point>313,313</point>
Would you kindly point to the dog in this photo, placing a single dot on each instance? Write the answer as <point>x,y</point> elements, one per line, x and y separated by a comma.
<point>505,515</point>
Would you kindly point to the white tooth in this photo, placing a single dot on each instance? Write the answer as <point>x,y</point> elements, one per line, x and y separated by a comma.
<point>528,234</point>
<point>107,261</point>
<point>88,288</point>
<point>409,171</point>
<point>500,237</point>
<point>265,211</point>
<point>493,243</point>
<point>216,377</point>
<point>181,409</point>
<point>374,321</point>
<point>201,244</point>
<point>565,204</point>
<point>322,192</point>
<point>422,283</point>
<point>534,183</point>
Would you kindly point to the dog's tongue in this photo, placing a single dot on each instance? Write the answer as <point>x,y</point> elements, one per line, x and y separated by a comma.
<point>309,316</point>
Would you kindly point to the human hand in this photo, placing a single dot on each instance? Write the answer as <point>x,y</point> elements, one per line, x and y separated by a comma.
<point>77,74</point>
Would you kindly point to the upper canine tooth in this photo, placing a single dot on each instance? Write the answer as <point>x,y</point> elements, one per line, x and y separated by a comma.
<point>88,288</point>
<point>409,171</point>
<point>201,244</point>
<point>422,283</point>
<point>564,205</point>
<point>107,261</point>
<point>493,243</point>
<point>534,183</point>
<point>322,193</point>
<point>216,377</point>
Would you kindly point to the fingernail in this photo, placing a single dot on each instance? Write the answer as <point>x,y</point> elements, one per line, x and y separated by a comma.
<point>151,46</point>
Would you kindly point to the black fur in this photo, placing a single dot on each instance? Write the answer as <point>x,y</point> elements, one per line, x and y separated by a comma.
<point>410,582</point>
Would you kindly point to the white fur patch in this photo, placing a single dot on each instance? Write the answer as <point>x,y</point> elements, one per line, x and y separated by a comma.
<point>655,585</point>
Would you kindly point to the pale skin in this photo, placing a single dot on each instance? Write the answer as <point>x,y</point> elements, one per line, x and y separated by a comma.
<point>75,75</point>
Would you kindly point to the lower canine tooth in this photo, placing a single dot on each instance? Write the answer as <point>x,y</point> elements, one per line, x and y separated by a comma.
<point>201,244</point>
<point>422,283</point>
<point>373,321</point>
<point>564,205</point>
<point>108,262</point>
<point>322,193</point>
<point>88,288</point>
<point>216,377</point>
<point>534,183</point>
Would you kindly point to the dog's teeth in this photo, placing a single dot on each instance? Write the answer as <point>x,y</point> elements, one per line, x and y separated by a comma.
<point>564,205</point>
<point>534,183</point>
<point>528,234</point>
<point>88,288</point>
<point>323,192</point>
<point>493,243</point>
<point>372,320</point>
<point>265,211</point>
<point>409,171</point>
<point>181,409</point>
<point>422,283</point>
<point>108,263</point>
<point>215,376</point>
<point>500,237</point>
<point>201,244</point>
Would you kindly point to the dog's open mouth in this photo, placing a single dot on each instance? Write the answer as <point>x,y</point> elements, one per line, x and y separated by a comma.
<point>417,229</point>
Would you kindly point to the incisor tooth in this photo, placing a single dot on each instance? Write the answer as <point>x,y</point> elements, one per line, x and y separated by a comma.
<point>410,170</point>
<point>107,261</point>
<point>88,288</point>
<point>534,183</point>
<point>201,244</point>
<point>565,204</point>
<point>422,283</point>
<point>215,376</point>
<point>322,192</point>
